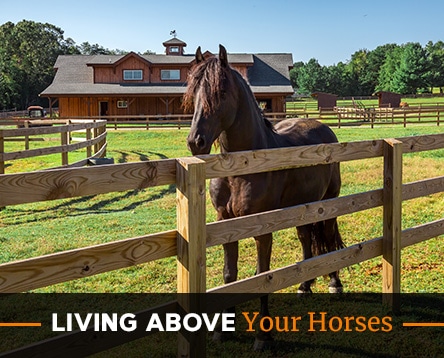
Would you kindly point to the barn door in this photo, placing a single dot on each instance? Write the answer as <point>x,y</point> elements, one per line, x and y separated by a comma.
<point>103,108</point>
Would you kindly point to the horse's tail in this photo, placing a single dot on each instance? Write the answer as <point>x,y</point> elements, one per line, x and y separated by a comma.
<point>326,237</point>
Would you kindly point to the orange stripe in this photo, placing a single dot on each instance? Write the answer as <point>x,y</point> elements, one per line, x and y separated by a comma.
<point>21,324</point>
<point>414,324</point>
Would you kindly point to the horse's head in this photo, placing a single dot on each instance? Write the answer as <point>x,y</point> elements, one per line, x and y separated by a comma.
<point>212,92</point>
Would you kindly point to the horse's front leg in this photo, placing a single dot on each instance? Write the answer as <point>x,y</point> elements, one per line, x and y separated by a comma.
<point>263,246</point>
<point>231,255</point>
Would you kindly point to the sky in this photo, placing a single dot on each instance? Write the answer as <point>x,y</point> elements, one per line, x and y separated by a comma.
<point>329,31</point>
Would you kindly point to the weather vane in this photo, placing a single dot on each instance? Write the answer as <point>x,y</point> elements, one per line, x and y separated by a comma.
<point>173,33</point>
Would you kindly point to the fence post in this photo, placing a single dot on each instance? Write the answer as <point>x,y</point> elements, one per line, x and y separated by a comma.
<point>64,141</point>
<point>88,138</point>
<point>191,249</point>
<point>391,244</point>
<point>2,150</point>
<point>26,136</point>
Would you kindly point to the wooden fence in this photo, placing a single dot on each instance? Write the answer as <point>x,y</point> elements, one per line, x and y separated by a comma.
<point>336,116</point>
<point>339,116</point>
<point>33,130</point>
<point>193,235</point>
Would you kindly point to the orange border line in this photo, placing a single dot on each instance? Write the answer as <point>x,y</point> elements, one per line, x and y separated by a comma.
<point>21,324</point>
<point>414,324</point>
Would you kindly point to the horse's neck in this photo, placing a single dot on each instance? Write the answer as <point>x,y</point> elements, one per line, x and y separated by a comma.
<point>249,130</point>
<point>247,133</point>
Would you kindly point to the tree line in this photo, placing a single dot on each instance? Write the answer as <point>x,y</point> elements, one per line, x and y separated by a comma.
<point>28,51</point>
<point>406,69</point>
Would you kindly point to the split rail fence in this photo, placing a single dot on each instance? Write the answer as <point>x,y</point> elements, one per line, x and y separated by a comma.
<point>36,130</point>
<point>193,235</point>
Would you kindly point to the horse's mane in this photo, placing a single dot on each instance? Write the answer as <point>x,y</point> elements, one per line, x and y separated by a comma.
<point>211,76</point>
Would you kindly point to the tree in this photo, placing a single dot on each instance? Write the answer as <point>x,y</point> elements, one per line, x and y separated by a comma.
<point>86,48</point>
<point>435,56</point>
<point>294,73</point>
<point>28,52</point>
<point>311,77</point>
<point>391,64</point>
<point>413,67</point>
<point>338,79</point>
<point>357,67</point>
<point>375,61</point>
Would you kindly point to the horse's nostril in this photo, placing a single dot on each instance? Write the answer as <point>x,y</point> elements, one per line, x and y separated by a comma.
<point>200,141</point>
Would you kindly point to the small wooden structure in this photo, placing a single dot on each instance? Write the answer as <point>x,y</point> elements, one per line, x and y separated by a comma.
<point>325,100</point>
<point>388,99</point>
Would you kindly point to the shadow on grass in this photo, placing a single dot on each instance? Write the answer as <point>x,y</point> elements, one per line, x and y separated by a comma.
<point>72,207</point>
<point>21,216</point>
<point>142,156</point>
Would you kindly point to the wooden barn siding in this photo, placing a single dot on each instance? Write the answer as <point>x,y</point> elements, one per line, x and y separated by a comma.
<point>108,74</point>
<point>75,107</point>
<point>78,106</point>
<point>151,74</point>
<point>156,71</point>
<point>242,70</point>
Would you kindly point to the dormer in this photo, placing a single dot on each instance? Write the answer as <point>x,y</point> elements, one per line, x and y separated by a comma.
<point>174,47</point>
<point>130,68</point>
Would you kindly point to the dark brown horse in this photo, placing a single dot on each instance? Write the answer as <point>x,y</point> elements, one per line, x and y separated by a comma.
<point>226,110</point>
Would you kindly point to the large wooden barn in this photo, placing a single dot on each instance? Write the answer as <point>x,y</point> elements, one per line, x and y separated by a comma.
<point>135,84</point>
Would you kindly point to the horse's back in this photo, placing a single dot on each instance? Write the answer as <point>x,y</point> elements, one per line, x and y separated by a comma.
<point>304,131</point>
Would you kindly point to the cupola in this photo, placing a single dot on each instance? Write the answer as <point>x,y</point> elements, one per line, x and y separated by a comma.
<point>174,46</point>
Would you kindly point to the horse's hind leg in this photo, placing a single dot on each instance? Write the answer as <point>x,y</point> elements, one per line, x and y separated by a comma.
<point>305,237</point>
<point>263,246</point>
<point>333,242</point>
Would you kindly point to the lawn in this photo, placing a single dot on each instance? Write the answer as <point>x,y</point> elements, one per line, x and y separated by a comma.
<point>41,228</point>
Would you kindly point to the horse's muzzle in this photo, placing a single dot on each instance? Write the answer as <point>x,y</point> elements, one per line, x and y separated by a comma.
<point>198,144</point>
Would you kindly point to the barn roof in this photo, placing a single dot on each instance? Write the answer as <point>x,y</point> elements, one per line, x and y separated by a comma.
<point>267,73</point>
<point>174,41</point>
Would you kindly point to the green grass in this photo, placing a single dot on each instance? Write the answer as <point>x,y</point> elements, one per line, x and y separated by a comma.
<point>47,227</point>
<point>41,228</point>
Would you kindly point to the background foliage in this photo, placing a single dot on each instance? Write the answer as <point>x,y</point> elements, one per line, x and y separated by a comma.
<point>406,69</point>
<point>28,51</point>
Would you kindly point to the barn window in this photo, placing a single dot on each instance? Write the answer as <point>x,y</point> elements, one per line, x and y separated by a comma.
<point>122,104</point>
<point>174,49</point>
<point>132,75</point>
<point>170,75</point>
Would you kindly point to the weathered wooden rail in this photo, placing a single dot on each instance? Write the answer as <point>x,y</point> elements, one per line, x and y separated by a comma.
<point>94,142</point>
<point>193,235</point>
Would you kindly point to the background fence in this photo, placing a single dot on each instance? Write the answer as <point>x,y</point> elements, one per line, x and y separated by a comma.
<point>193,235</point>
<point>36,130</point>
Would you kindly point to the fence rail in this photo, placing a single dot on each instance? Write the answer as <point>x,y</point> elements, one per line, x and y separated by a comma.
<point>33,130</point>
<point>348,115</point>
<point>193,234</point>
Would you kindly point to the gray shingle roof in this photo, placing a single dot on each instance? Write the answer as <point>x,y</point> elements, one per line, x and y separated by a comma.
<point>267,73</point>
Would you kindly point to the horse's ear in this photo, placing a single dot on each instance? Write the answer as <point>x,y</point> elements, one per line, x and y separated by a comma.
<point>223,57</point>
<point>199,56</point>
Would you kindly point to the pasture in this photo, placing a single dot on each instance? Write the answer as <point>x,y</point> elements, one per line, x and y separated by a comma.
<point>36,229</point>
